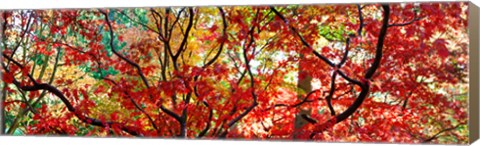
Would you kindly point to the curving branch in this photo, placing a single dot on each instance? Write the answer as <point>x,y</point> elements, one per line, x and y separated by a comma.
<point>406,23</point>
<point>330,94</point>
<point>334,76</point>
<point>304,100</point>
<point>135,104</point>
<point>365,84</point>
<point>44,86</point>
<point>381,40</point>
<point>185,38</point>
<point>252,83</point>
<point>112,46</point>
<point>42,95</point>
<point>353,81</point>
<point>304,42</point>
<point>414,19</point>
<point>22,37</point>
<point>210,117</point>
<point>440,132</point>
<point>139,71</point>
<point>158,23</point>
<point>360,18</point>
<point>176,20</point>
<point>166,33</point>
<point>224,39</point>
<point>345,55</point>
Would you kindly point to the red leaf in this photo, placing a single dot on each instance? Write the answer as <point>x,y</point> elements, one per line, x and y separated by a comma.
<point>8,78</point>
<point>442,50</point>
<point>84,93</point>
<point>213,28</point>
<point>114,116</point>
<point>325,50</point>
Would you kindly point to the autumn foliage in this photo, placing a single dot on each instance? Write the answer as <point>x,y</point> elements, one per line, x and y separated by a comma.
<point>351,73</point>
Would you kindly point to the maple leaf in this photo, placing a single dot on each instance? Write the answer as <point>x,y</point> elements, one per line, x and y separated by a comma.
<point>441,46</point>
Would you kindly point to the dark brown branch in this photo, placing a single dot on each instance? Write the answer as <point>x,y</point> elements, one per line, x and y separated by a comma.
<point>184,41</point>
<point>166,33</point>
<point>343,75</point>
<point>252,85</point>
<point>135,104</point>
<point>304,100</point>
<point>344,93</point>
<point>334,76</point>
<point>112,46</point>
<point>330,94</point>
<point>360,18</point>
<point>19,65</point>
<point>381,40</point>
<point>440,132</point>
<point>414,19</point>
<point>406,23</point>
<point>406,100</point>
<point>59,94</point>
<point>305,43</point>
<point>176,19</point>
<point>22,37</point>
<point>345,55</point>
<point>139,71</point>
<point>224,39</point>
<point>158,23</point>
<point>183,117</point>
<point>183,122</point>
<point>365,84</point>
<point>309,119</point>
<point>30,108</point>
<point>210,116</point>
<point>203,132</point>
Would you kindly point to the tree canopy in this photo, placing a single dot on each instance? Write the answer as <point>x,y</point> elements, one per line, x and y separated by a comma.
<point>340,73</point>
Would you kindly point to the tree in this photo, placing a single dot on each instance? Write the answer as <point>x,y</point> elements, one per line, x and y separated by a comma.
<point>368,73</point>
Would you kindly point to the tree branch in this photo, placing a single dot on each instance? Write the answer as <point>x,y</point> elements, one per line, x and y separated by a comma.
<point>381,40</point>
<point>139,71</point>
<point>252,85</point>
<point>131,19</point>
<point>414,19</point>
<point>360,18</point>
<point>305,43</point>
<point>184,41</point>
<point>305,100</point>
<point>158,23</point>
<point>224,39</point>
<point>345,55</point>
<point>330,94</point>
<point>135,104</point>
<point>112,46</point>
<point>22,37</point>
<point>176,20</point>
<point>365,84</point>
<point>440,132</point>
<point>210,116</point>
<point>59,94</point>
